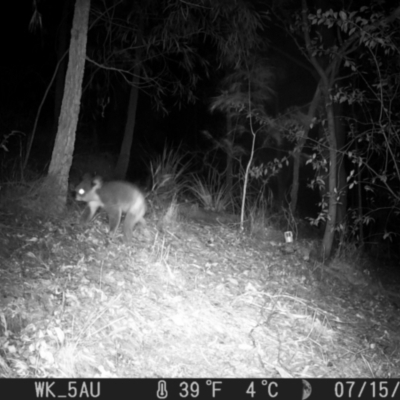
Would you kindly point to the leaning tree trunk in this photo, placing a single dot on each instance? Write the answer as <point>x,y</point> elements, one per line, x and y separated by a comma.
<point>61,159</point>
<point>125,152</point>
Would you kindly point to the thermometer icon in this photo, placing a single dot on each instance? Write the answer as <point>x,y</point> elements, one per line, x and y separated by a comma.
<point>162,390</point>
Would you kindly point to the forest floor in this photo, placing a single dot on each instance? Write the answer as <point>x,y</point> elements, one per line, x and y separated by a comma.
<point>196,298</point>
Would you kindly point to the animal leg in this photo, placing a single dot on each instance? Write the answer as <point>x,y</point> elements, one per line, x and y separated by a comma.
<point>129,224</point>
<point>89,212</point>
<point>131,219</point>
<point>114,218</point>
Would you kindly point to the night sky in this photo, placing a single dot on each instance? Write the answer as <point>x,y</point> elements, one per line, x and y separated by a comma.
<point>29,59</point>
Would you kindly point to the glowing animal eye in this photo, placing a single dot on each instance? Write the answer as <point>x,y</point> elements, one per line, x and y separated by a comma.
<point>81,191</point>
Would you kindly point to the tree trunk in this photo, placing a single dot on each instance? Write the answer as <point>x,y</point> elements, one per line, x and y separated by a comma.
<point>62,47</point>
<point>299,148</point>
<point>61,159</point>
<point>341,170</point>
<point>327,77</point>
<point>342,190</point>
<point>229,154</point>
<point>329,234</point>
<point>125,152</point>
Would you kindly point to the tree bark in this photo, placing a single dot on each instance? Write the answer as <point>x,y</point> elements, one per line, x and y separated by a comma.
<point>61,159</point>
<point>340,133</point>
<point>327,77</point>
<point>299,148</point>
<point>125,152</point>
<point>327,242</point>
<point>229,154</point>
<point>62,47</point>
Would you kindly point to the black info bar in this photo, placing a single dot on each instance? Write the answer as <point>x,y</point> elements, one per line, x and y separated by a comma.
<point>200,389</point>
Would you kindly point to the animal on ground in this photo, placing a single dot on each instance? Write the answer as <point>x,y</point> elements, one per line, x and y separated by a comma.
<point>115,197</point>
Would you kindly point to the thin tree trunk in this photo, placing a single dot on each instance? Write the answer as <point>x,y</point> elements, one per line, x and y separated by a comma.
<point>229,154</point>
<point>341,176</point>
<point>61,159</point>
<point>359,197</point>
<point>246,176</point>
<point>329,234</point>
<point>299,148</point>
<point>125,152</point>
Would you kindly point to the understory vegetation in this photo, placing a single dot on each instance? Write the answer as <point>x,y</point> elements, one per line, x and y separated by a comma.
<point>265,139</point>
<point>198,297</point>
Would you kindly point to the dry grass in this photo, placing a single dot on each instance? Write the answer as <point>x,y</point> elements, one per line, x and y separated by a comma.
<point>211,193</point>
<point>167,174</point>
<point>35,197</point>
<point>192,300</point>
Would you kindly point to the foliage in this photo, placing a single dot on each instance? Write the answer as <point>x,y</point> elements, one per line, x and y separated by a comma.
<point>213,193</point>
<point>168,172</point>
<point>10,165</point>
<point>267,171</point>
<point>358,51</point>
<point>226,144</point>
<point>374,145</point>
<point>258,214</point>
<point>172,36</point>
<point>261,174</point>
<point>245,94</point>
<point>249,82</point>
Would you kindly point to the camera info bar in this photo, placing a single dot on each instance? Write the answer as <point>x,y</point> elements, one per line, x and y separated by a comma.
<point>200,389</point>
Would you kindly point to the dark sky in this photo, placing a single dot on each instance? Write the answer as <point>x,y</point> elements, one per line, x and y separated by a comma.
<point>27,62</point>
<point>29,59</point>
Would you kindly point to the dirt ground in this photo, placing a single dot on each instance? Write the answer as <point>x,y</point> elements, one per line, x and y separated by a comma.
<point>194,297</point>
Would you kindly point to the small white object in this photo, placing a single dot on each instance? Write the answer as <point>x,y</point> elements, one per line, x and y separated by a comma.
<point>288,237</point>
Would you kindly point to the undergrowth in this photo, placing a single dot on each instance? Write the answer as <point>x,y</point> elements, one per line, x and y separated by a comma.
<point>212,192</point>
<point>168,172</point>
<point>77,303</point>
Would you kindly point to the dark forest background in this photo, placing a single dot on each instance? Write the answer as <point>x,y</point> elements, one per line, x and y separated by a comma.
<point>294,104</point>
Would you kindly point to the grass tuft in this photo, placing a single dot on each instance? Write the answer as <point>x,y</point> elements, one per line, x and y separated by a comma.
<point>212,193</point>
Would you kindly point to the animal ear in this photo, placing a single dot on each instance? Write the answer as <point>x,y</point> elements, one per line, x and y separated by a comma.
<point>97,182</point>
